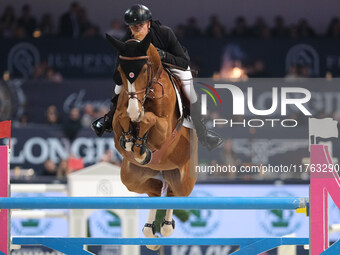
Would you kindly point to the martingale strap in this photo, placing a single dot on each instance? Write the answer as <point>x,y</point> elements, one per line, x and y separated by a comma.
<point>158,154</point>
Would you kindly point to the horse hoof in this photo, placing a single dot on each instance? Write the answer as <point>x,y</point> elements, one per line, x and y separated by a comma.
<point>149,229</point>
<point>153,247</point>
<point>167,227</point>
<point>122,142</point>
<point>147,157</point>
<point>127,146</point>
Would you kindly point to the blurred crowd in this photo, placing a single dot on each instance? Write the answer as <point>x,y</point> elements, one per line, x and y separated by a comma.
<point>76,119</point>
<point>65,166</point>
<point>70,126</point>
<point>73,23</point>
<point>260,29</point>
<point>76,23</point>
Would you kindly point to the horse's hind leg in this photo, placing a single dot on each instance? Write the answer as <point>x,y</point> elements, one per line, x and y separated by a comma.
<point>149,229</point>
<point>180,185</point>
<point>180,182</point>
<point>140,180</point>
<point>168,224</point>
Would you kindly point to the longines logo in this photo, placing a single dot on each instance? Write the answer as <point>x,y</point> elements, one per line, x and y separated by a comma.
<point>22,59</point>
<point>306,55</point>
<point>239,100</point>
<point>104,188</point>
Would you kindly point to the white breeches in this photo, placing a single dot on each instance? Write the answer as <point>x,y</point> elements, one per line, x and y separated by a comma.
<point>188,85</point>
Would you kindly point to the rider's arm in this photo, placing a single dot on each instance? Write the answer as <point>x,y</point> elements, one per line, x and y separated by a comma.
<point>174,53</point>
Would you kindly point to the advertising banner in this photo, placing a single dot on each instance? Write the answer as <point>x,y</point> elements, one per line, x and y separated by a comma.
<point>94,57</point>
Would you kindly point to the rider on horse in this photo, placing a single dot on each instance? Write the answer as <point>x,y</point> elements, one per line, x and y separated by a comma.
<point>139,19</point>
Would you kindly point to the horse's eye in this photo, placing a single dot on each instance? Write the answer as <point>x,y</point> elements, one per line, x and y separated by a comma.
<point>144,69</point>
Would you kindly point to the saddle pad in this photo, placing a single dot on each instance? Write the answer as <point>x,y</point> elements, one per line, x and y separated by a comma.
<point>187,122</point>
<point>179,99</point>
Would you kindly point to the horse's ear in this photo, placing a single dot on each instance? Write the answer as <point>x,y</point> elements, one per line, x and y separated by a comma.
<point>144,45</point>
<point>119,45</point>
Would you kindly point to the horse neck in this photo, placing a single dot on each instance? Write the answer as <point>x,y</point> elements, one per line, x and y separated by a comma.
<point>155,60</point>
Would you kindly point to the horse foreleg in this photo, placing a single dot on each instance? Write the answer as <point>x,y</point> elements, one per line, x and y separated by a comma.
<point>126,140</point>
<point>142,153</point>
<point>149,229</point>
<point>168,224</point>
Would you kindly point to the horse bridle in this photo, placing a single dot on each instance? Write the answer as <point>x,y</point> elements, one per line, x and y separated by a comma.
<point>150,80</point>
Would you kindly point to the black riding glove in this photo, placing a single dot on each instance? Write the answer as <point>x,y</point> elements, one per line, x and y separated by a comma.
<point>161,53</point>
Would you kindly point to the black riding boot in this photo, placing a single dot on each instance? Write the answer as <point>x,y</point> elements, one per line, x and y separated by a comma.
<point>207,138</point>
<point>104,124</point>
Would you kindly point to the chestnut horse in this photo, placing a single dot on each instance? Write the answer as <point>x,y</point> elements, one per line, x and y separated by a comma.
<point>148,130</point>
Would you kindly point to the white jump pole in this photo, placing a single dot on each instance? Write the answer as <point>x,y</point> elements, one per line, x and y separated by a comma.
<point>38,188</point>
<point>33,214</point>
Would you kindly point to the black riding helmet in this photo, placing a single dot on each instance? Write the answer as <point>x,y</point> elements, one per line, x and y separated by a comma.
<point>138,13</point>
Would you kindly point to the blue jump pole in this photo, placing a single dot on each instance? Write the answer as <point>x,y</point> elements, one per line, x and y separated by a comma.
<point>238,203</point>
<point>75,245</point>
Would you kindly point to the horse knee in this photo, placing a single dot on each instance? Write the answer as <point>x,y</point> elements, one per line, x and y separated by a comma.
<point>151,187</point>
<point>131,186</point>
<point>184,192</point>
<point>180,189</point>
<point>131,181</point>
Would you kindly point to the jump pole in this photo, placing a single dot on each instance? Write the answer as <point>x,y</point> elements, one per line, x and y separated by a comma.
<point>223,203</point>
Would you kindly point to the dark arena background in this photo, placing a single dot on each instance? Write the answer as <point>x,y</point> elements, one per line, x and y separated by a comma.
<point>56,80</point>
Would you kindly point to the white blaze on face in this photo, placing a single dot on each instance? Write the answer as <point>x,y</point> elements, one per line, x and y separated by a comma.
<point>133,110</point>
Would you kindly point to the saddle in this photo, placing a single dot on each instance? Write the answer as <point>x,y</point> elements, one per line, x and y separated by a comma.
<point>182,99</point>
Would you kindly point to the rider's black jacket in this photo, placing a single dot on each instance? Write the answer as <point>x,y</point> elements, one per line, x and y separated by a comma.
<point>162,37</point>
